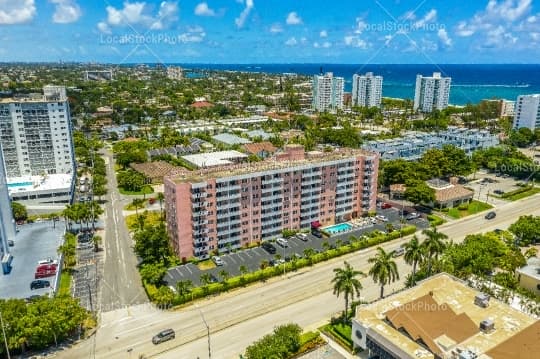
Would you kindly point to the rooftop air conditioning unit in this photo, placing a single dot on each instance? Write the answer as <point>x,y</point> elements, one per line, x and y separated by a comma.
<point>482,300</point>
<point>487,326</point>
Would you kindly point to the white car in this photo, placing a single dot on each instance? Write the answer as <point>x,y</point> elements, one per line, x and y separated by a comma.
<point>282,242</point>
<point>218,261</point>
<point>47,261</point>
<point>381,218</point>
<point>302,236</point>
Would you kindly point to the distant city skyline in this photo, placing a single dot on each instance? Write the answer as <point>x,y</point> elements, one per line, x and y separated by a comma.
<point>256,31</point>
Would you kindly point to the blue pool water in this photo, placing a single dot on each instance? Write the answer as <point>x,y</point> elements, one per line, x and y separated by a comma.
<point>19,184</point>
<point>342,227</point>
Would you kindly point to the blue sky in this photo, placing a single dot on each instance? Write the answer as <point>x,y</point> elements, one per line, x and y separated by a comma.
<point>271,31</point>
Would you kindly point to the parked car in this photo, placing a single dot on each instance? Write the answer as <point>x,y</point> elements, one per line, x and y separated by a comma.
<point>36,284</point>
<point>386,205</point>
<point>498,191</point>
<point>317,234</point>
<point>412,216</point>
<point>46,267</point>
<point>218,261</point>
<point>302,236</point>
<point>44,274</point>
<point>269,247</point>
<point>490,215</point>
<point>47,261</point>
<point>11,243</point>
<point>381,218</point>
<point>282,242</point>
<point>163,336</point>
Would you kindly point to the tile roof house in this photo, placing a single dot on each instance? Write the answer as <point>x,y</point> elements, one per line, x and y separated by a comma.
<point>260,149</point>
<point>447,194</point>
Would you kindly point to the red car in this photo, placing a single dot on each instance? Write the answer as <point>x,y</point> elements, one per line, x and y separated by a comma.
<point>46,267</point>
<point>386,205</point>
<point>44,274</point>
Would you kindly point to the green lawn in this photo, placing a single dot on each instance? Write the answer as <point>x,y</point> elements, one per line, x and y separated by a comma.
<point>473,208</point>
<point>145,190</point>
<point>521,193</point>
<point>65,283</point>
<point>341,333</point>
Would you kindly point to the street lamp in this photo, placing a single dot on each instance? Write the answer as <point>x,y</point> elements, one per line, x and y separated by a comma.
<point>4,332</point>
<point>207,332</point>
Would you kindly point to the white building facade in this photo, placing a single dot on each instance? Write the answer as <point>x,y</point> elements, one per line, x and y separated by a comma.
<point>367,90</point>
<point>35,133</point>
<point>327,92</point>
<point>527,112</point>
<point>431,93</point>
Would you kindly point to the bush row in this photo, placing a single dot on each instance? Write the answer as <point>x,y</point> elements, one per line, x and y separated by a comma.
<point>338,335</point>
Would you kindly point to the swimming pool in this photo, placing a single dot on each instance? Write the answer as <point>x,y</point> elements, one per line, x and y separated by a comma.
<point>337,228</point>
<point>19,184</point>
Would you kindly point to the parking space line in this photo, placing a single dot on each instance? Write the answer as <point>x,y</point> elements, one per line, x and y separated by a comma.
<point>247,254</point>
<point>232,258</point>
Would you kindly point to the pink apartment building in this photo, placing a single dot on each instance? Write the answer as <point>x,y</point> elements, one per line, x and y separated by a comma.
<point>231,206</point>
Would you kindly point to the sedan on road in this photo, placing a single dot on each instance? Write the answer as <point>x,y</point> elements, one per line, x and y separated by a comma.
<point>412,216</point>
<point>490,215</point>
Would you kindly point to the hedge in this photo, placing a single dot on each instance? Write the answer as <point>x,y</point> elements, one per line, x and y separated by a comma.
<point>338,335</point>
<point>269,272</point>
<point>435,220</point>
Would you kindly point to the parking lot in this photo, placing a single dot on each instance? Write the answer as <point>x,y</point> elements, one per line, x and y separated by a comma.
<point>86,276</point>
<point>33,242</point>
<point>252,258</point>
<point>485,185</point>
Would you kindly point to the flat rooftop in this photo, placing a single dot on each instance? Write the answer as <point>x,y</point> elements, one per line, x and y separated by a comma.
<point>270,164</point>
<point>212,159</point>
<point>532,269</point>
<point>448,319</point>
<point>18,185</point>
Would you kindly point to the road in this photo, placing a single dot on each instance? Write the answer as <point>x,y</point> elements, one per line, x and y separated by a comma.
<point>121,285</point>
<point>240,317</point>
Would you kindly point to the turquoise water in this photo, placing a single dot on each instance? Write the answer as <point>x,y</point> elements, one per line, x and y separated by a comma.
<point>342,227</point>
<point>19,184</point>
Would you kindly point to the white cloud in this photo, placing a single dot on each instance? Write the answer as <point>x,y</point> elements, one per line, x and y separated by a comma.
<point>202,9</point>
<point>324,45</point>
<point>429,17</point>
<point>191,37</point>
<point>355,41</point>
<point>323,33</point>
<point>66,11</point>
<point>408,16</point>
<point>291,42</point>
<point>276,28</point>
<point>444,39</point>
<point>504,13</point>
<point>241,19</point>
<point>139,14</point>
<point>361,25</point>
<point>104,28</point>
<point>293,19</point>
<point>16,12</point>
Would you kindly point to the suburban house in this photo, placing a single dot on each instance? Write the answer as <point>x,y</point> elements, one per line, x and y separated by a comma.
<point>260,149</point>
<point>448,194</point>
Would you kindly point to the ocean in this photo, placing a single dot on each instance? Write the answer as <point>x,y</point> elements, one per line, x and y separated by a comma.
<point>470,83</point>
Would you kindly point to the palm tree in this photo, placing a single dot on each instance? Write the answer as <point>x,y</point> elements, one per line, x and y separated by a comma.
<point>224,275</point>
<point>346,281</point>
<point>160,198</point>
<point>309,253</point>
<point>433,245</point>
<point>414,254</point>
<point>205,279</point>
<point>243,270</point>
<point>183,287</point>
<point>384,270</point>
<point>96,240</point>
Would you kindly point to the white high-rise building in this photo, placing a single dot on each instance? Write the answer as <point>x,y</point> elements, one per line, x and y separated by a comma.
<point>327,92</point>
<point>367,90</point>
<point>432,93</point>
<point>7,224</point>
<point>35,133</point>
<point>527,112</point>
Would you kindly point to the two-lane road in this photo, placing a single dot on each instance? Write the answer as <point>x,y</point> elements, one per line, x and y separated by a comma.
<point>238,318</point>
<point>121,284</point>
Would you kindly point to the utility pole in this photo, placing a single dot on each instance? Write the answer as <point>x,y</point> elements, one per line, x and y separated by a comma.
<point>4,332</point>
<point>207,332</point>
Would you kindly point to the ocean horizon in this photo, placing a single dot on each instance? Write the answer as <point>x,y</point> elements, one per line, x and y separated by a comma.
<point>471,83</point>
